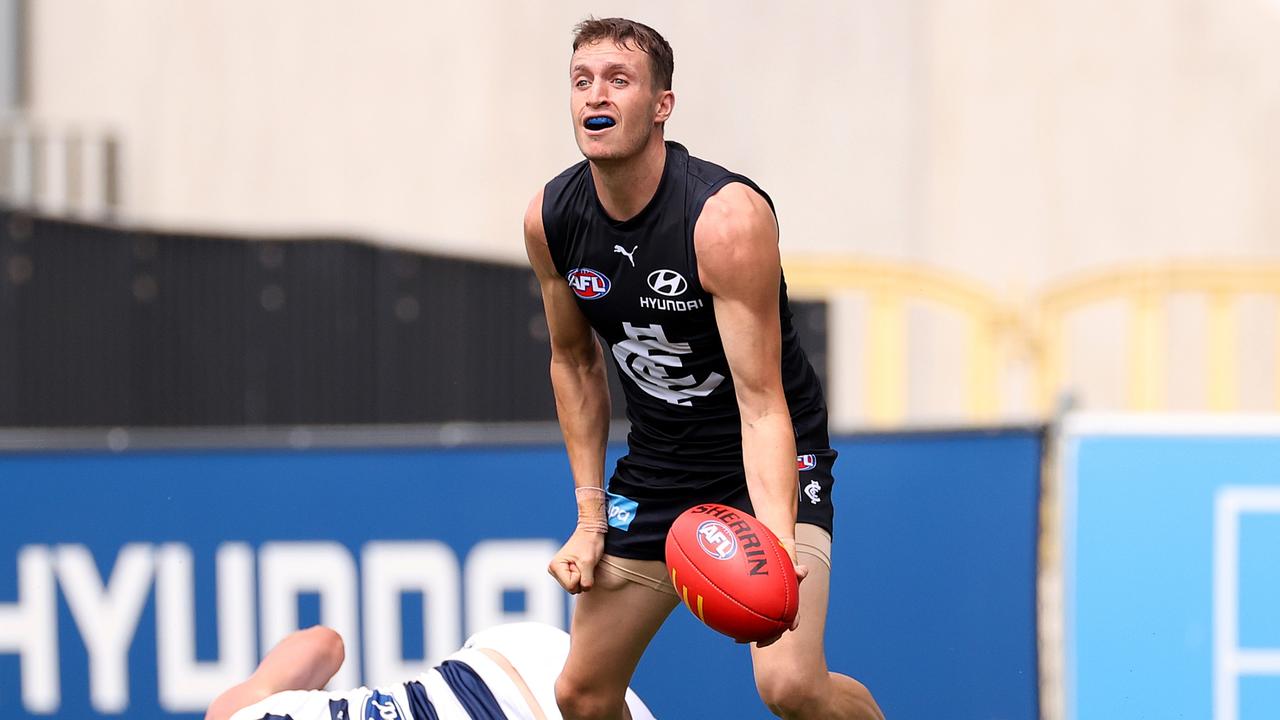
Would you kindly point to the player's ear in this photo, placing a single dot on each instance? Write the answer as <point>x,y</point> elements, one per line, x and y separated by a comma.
<point>666,102</point>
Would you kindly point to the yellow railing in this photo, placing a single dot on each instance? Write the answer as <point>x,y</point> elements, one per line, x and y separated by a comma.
<point>1147,291</point>
<point>993,324</point>
<point>887,288</point>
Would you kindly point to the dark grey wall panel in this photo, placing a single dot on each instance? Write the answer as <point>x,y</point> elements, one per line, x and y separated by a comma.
<point>457,341</point>
<point>109,326</point>
<point>72,305</point>
<point>810,322</point>
<point>189,337</point>
<point>11,262</point>
<point>311,326</point>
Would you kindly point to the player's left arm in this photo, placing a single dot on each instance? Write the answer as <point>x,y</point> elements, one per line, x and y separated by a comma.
<point>736,241</point>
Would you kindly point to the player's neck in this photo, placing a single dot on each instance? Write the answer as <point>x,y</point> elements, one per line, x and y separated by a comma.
<point>625,187</point>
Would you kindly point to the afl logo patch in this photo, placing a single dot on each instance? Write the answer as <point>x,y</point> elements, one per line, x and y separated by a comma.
<point>668,282</point>
<point>806,462</point>
<point>716,540</point>
<point>588,284</point>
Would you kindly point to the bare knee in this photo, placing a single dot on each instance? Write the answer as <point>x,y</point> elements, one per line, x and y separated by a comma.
<point>304,660</point>
<point>328,650</point>
<point>329,647</point>
<point>788,691</point>
<point>579,701</point>
<point>861,698</point>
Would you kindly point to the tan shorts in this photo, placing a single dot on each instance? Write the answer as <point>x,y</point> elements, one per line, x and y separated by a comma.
<point>813,544</point>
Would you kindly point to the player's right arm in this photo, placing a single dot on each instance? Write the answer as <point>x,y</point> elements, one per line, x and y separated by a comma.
<point>582,405</point>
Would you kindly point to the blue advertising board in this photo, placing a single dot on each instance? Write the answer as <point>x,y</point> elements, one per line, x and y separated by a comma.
<point>1171,539</point>
<point>141,583</point>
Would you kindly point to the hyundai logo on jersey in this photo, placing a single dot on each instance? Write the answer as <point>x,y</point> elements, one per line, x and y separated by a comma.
<point>622,510</point>
<point>716,540</point>
<point>588,284</point>
<point>668,282</point>
<point>381,706</point>
<point>806,462</point>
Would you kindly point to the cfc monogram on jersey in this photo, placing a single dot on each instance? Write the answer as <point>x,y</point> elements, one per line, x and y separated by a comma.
<point>636,281</point>
<point>649,358</point>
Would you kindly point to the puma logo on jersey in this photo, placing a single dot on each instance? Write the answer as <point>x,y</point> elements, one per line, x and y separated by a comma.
<point>620,249</point>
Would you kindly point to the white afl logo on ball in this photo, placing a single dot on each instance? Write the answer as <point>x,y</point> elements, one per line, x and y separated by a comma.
<point>716,540</point>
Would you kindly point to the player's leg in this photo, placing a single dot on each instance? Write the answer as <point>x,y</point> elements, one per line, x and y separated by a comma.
<point>612,625</point>
<point>791,674</point>
<point>304,660</point>
<point>533,655</point>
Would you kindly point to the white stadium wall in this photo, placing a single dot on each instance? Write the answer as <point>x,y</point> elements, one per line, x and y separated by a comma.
<point>1012,143</point>
<point>433,124</point>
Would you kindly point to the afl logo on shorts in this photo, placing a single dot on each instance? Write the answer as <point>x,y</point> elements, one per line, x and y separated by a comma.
<point>668,282</point>
<point>381,706</point>
<point>806,462</point>
<point>716,540</point>
<point>588,284</point>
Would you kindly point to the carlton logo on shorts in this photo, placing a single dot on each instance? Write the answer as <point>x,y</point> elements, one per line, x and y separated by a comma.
<point>381,706</point>
<point>588,284</point>
<point>806,462</point>
<point>716,540</point>
<point>812,490</point>
<point>668,282</point>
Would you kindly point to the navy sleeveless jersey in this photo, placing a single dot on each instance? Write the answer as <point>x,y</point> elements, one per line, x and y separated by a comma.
<point>636,281</point>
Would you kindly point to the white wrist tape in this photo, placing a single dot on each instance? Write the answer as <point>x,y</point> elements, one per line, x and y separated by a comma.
<point>591,509</point>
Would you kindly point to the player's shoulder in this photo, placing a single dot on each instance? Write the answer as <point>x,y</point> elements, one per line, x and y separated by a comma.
<point>703,173</point>
<point>734,211</point>
<point>560,181</point>
<point>533,228</point>
<point>737,200</point>
<point>570,177</point>
<point>727,201</point>
<point>735,236</point>
<point>558,198</point>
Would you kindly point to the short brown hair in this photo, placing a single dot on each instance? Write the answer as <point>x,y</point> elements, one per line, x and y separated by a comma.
<point>633,36</point>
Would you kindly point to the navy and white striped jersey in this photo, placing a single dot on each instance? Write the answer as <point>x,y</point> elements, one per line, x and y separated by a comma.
<point>468,685</point>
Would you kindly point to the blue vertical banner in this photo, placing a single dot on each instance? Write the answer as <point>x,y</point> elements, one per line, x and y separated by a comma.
<point>141,583</point>
<point>1171,529</point>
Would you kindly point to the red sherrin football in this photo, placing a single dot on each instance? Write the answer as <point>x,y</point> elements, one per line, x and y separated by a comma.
<point>730,571</point>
